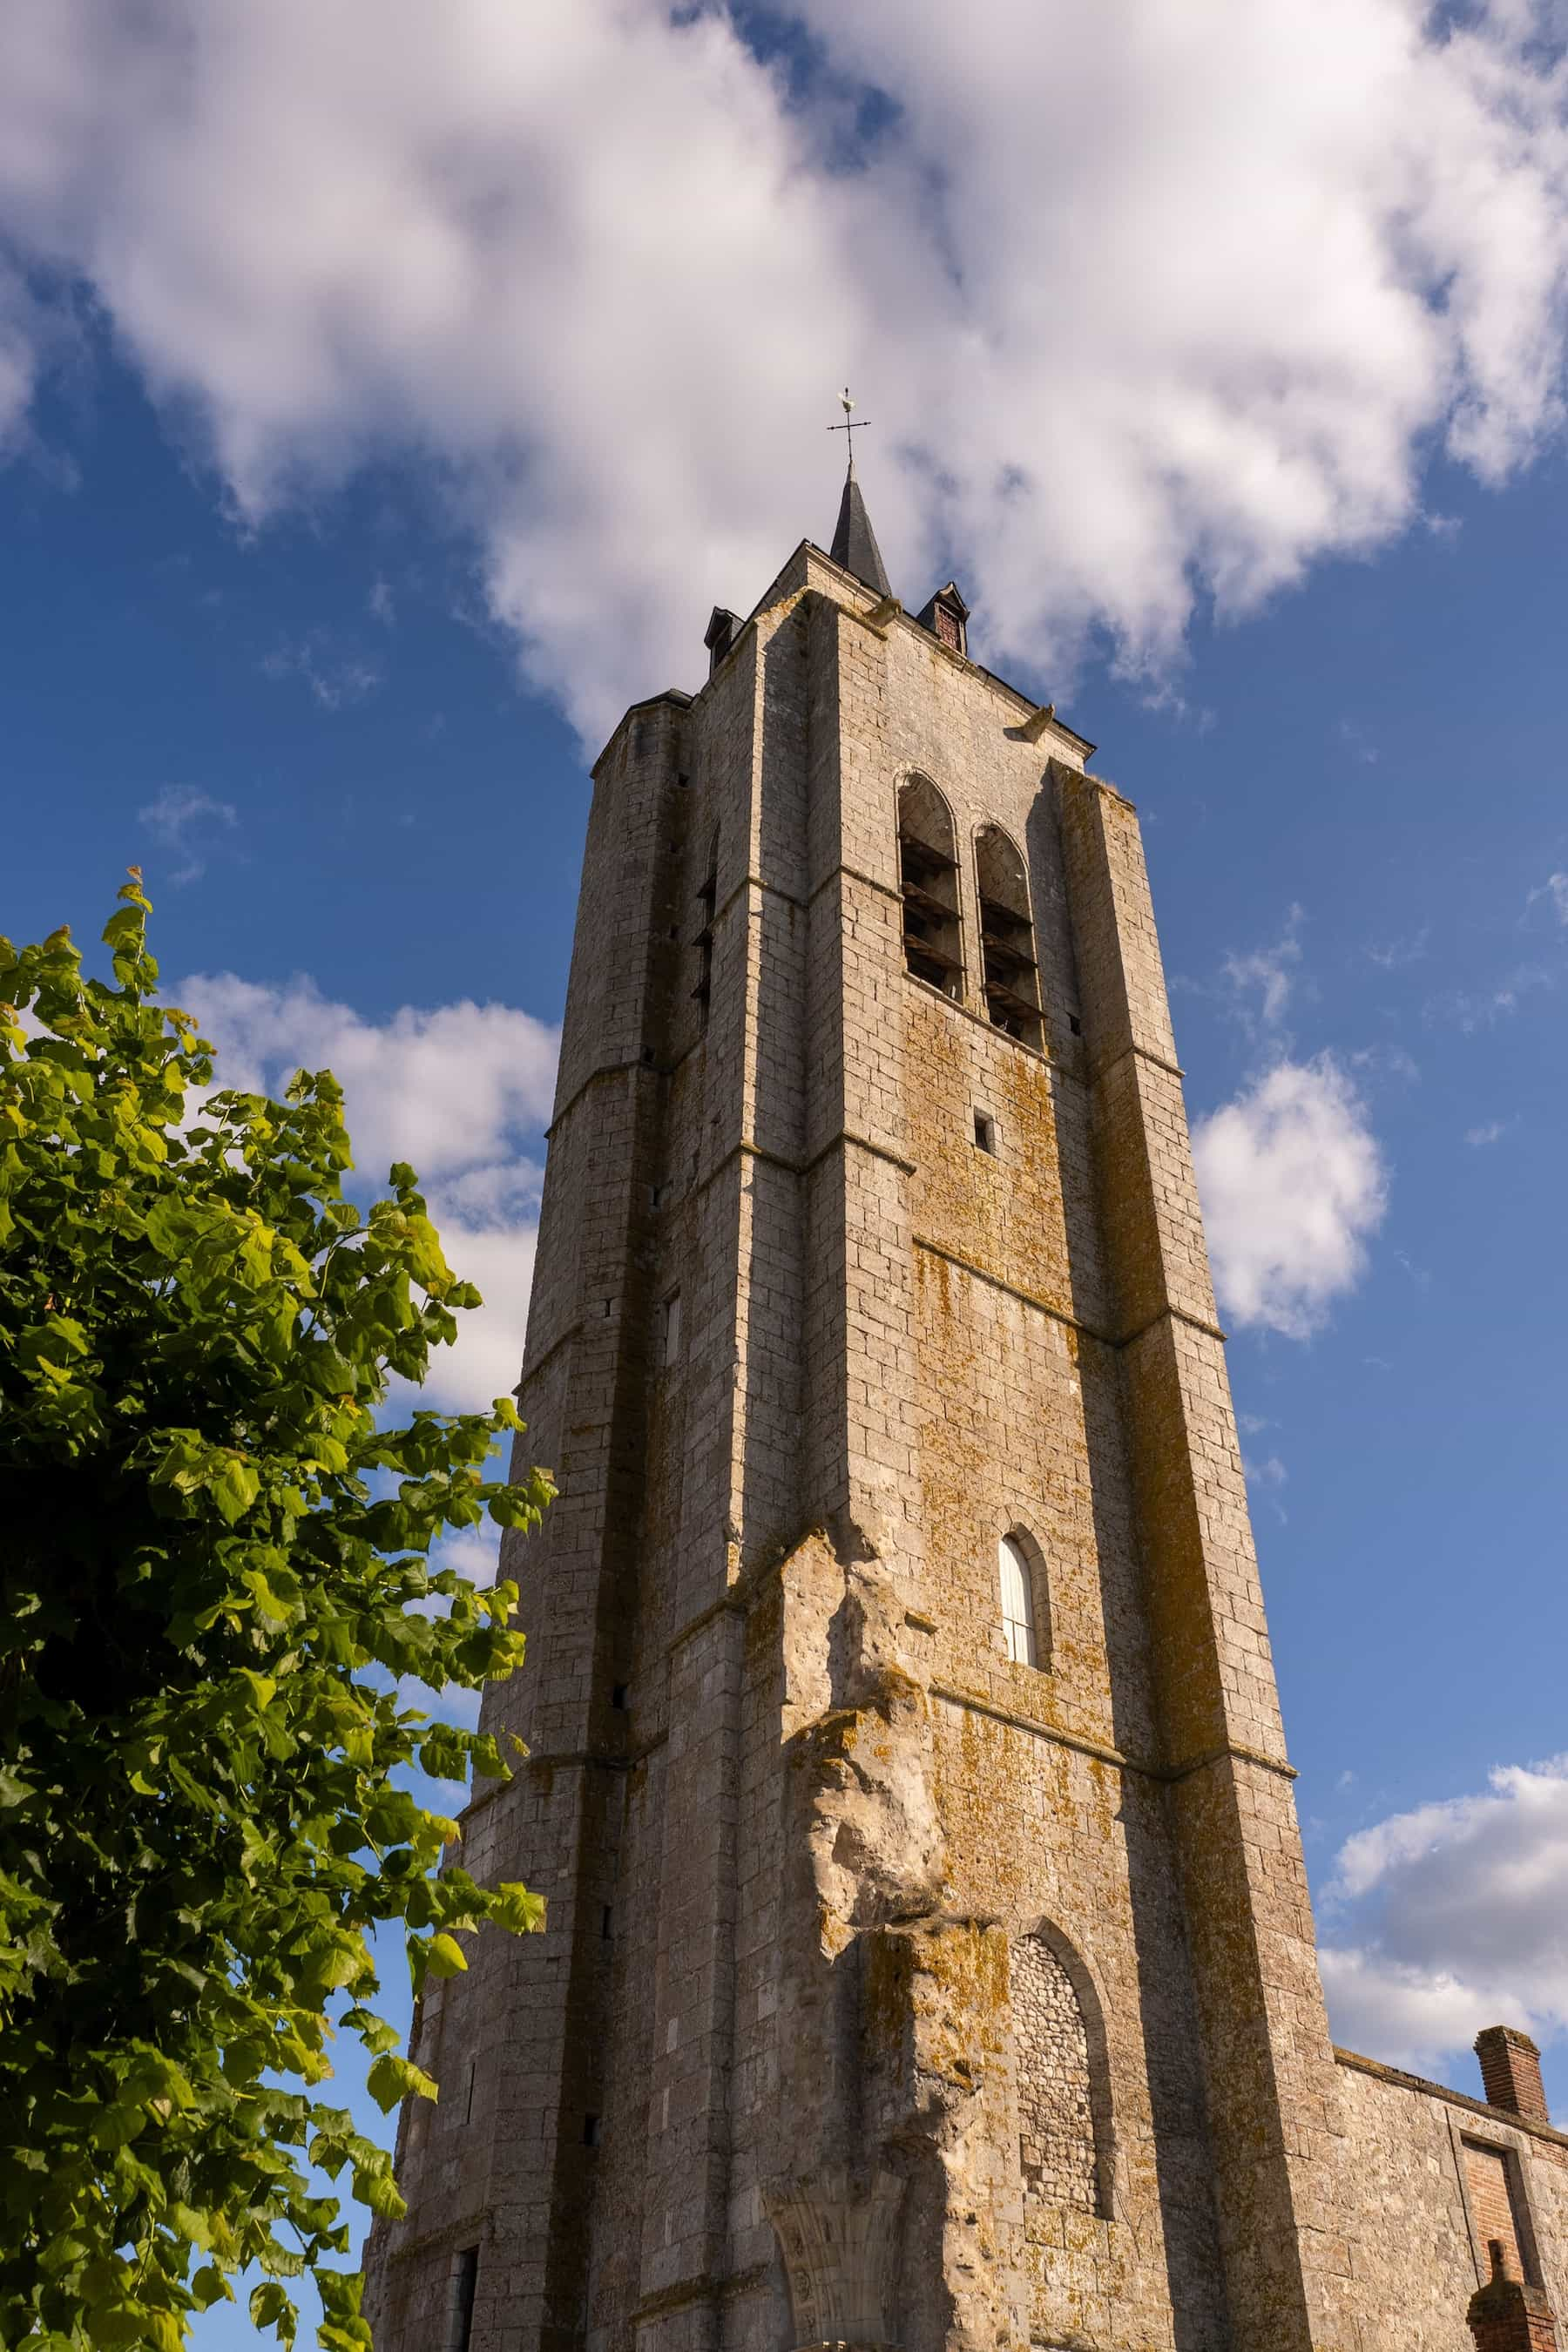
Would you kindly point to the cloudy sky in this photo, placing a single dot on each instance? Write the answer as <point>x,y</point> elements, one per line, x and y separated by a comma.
<point>387,393</point>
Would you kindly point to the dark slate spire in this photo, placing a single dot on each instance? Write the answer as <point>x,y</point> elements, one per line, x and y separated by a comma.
<point>855,543</point>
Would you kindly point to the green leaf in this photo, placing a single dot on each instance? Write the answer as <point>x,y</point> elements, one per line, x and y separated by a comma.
<point>376,2187</point>
<point>444,1956</point>
<point>391,2080</point>
<point>512,1907</point>
<point>209,2287</point>
<point>233,1487</point>
<point>269,2304</point>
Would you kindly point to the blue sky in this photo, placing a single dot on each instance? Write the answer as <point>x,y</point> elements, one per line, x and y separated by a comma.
<point>319,583</point>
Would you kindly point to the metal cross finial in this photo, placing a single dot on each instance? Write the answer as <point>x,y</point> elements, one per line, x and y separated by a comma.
<point>849,428</point>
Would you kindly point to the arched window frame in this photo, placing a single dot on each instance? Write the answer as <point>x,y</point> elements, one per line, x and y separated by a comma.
<point>1031,1560</point>
<point>1009,949</point>
<point>1091,2008</point>
<point>929,885</point>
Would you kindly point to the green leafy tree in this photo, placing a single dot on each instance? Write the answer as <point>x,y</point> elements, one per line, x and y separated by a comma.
<point>215,1572</point>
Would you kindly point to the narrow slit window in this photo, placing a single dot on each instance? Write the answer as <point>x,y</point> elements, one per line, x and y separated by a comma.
<point>928,878</point>
<point>669,1316</point>
<point>1017,1601</point>
<point>984,1132</point>
<point>708,902</point>
<point>464,2280</point>
<point>1009,978</point>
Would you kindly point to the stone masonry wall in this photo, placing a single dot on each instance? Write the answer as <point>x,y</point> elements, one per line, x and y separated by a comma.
<point>1057,2152</point>
<point>1420,2251</point>
<point>893,1991</point>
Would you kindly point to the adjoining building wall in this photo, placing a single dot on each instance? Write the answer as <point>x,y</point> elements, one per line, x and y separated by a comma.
<point>1416,2162</point>
<point>895,1989</point>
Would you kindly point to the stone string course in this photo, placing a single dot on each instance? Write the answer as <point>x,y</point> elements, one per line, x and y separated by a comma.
<point>894,1993</point>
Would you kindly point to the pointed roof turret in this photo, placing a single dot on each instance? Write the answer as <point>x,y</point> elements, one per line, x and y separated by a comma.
<point>854,541</point>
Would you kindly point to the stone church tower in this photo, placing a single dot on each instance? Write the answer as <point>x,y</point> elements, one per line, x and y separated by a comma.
<point>928,1960</point>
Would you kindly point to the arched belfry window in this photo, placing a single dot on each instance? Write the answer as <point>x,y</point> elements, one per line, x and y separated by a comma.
<point>928,876</point>
<point>1016,1577</point>
<point>1010,978</point>
<point>1064,2115</point>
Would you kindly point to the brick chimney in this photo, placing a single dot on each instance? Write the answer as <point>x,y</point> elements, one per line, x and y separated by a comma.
<point>1511,2070</point>
<point>1506,2316</point>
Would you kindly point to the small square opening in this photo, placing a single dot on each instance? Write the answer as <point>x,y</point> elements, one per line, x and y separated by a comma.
<point>984,1131</point>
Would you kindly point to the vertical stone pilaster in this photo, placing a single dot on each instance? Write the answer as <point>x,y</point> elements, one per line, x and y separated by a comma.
<point>1268,2062</point>
<point>860,1309</point>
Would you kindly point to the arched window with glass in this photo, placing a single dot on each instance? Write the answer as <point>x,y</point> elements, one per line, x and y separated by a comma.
<point>1021,1629</point>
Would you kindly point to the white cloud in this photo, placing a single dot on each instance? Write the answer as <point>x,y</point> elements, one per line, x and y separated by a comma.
<point>1272,972</point>
<point>23,327</point>
<point>335,679</point>
<point>1471,1009</point>
<point>461,1091</point>
<point>1265,1479</point>
<point>184,821</point>
<point>1155,303</point>
<point>1555,890</point>
<point>1374,1062</point>
<point>1394,954</point>
<point>1292,1184</point>
<point>1453,1917</point>
<point>1478,1137</point>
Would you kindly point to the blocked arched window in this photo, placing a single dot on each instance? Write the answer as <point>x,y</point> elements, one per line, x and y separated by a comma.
<point>1063,2100</point>
<point>1015,1574</point>
<point>928,877</point>
<point>1010,977</point>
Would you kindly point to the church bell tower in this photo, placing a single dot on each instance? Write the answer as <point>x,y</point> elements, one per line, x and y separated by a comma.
<point>928,1957</point>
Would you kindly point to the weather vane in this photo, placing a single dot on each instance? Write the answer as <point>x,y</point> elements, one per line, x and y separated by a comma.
<point>850,427</point>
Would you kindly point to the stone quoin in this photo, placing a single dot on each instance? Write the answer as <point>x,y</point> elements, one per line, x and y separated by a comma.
<point>919,1972</point>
